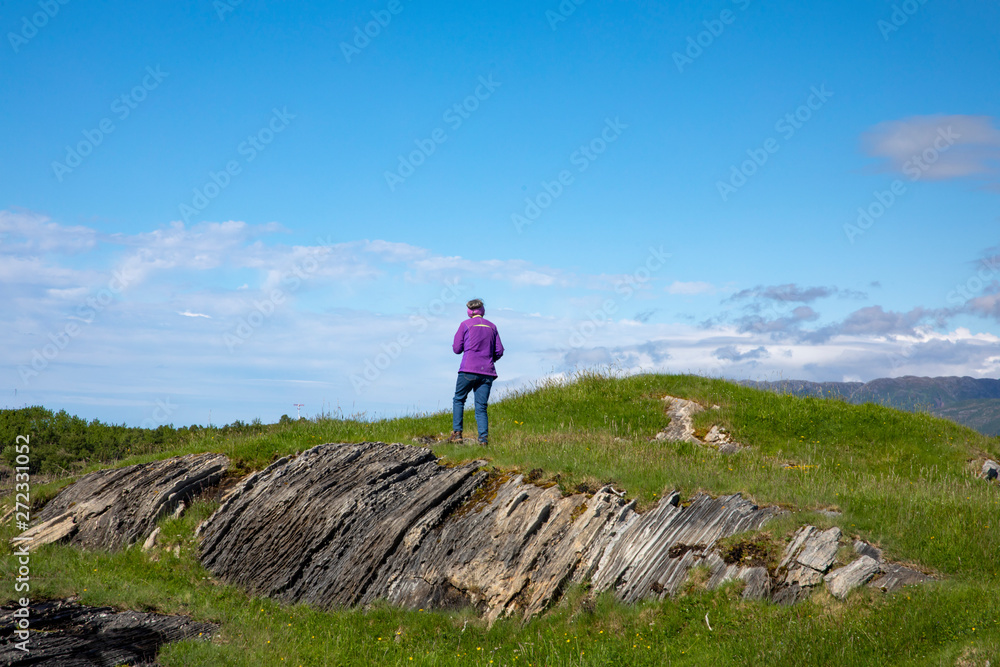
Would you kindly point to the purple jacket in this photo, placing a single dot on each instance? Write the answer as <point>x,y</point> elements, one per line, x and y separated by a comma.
<point>479,339</point>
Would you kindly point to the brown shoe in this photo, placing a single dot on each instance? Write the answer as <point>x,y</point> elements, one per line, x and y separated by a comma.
<point>456,436</point>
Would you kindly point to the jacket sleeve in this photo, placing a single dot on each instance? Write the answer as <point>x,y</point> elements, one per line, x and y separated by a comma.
<point>499,349</point>
<point>458,345</point>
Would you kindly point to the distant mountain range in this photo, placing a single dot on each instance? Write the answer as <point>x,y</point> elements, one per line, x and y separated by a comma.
<point>973,402</point>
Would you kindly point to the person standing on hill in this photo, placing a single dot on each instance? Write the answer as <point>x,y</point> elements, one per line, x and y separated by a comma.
<point>479,340</point>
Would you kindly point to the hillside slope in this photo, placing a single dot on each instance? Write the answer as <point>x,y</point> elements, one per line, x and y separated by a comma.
<point>905,483</point>
<point>972,402</point>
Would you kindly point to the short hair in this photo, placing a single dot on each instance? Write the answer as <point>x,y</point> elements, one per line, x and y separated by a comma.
<point>474,304</point>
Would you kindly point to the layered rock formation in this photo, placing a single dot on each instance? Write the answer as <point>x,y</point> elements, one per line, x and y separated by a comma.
<point>809,558</point>
<point>347,524</point>
<point>318,528</point>
<point>68,634</point>
<point>111,509</point>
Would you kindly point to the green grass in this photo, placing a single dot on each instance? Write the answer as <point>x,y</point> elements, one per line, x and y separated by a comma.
<point>902,481</point>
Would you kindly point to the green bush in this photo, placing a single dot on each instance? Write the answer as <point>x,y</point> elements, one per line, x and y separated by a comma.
<point>63,443</point>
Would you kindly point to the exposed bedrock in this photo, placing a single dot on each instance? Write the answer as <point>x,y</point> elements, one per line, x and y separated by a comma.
<point>321,527</point>
<point>66,634</point>
<point>809,558</point>
<point>347,524</point>
<point>111,509</point>
<point>681,427</point>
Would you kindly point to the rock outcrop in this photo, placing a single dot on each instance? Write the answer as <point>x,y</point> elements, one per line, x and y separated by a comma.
<point>681,427</point>
<point>351,523</point>
<point>651,556</point>
<point>68,634</point>
<point>319,527</point>
<point>809,558</point>
<point>843,580</point>
<point>111,509</point>
<point>894,576</point>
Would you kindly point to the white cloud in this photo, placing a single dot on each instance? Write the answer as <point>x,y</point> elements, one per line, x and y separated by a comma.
<point>188,313</point>
<point>27,232</point>
<point>32,270</point>
<point>937,147</point>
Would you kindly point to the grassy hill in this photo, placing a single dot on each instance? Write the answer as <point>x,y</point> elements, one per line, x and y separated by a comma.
<point>900,480</point>
<point>972,402</point>
<point>981,414</point>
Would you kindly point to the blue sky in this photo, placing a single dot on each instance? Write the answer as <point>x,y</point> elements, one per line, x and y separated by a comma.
<point>214,210</point>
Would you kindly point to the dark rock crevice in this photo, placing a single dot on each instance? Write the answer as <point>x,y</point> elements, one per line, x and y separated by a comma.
<point>66,634</point>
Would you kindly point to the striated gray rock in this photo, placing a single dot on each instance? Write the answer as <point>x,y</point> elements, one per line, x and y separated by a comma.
<point>681,427</point>
<point>758,583</point>
<point>804,562</point>
<point>991,470</point>
<point>813,548</point>
<point>347,524</point>
<point>811,553</point>
<point>757,579</point>
<point>843,580</point>
<point>651,556</point>
<point>510,555</point>
<point>68,634</point>
<point>896,576</point>
<point>111,509</point>
<point>862,548</point>
<point>318,528</point>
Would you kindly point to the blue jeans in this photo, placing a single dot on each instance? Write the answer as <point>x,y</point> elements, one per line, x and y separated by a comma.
<point>480,384</point>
